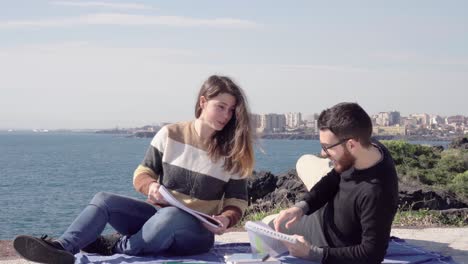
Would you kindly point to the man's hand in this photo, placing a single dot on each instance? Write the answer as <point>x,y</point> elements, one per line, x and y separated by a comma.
<point>154,197</point>
<point>220,230</point>
<point>290,215</point>
<point>303,249</point>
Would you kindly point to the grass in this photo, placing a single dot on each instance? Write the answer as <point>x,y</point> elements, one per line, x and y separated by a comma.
<point>251,215</point>
<point>428,218</point>
<point>403,218</point>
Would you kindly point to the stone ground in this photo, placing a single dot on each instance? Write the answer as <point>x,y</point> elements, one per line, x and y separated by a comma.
<point>447,241</point>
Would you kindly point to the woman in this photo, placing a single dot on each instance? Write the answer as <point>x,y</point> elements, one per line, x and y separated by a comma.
<point>203,163</point>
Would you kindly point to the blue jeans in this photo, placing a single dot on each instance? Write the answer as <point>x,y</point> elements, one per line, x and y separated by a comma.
<point>145,229</point>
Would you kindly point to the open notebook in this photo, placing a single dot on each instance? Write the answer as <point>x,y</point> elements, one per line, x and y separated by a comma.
<point>263,239</point>
<point>199,215</point>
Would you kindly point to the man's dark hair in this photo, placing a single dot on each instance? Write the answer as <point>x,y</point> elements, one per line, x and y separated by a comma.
<point>347,120</point>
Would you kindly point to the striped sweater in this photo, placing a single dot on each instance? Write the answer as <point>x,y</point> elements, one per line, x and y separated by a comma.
<point>178,159</point>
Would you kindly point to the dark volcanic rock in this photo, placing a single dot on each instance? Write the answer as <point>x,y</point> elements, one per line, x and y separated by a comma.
<point>267,192</point>
<point>418,197</point>
<point>459,143</point>
<point>261,184</point>
<point>292,184</point>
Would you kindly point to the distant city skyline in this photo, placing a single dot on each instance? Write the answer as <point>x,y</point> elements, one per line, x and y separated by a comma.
<point>100,64</point>
<point>303,118</point>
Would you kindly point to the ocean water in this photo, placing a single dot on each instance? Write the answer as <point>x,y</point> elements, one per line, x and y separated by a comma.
<point>46,179</point>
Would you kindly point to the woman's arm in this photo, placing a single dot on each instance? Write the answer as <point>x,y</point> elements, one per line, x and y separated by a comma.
<point>235,200</point>
<point>143,177</point>
<point>151,168</point>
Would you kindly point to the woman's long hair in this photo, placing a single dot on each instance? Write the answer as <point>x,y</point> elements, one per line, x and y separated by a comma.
<point>234,141</point>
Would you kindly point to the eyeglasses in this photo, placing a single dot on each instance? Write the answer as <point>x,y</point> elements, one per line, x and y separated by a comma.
<point>326,148</point>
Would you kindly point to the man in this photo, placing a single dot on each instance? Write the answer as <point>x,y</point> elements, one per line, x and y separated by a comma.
<point>352,207</point>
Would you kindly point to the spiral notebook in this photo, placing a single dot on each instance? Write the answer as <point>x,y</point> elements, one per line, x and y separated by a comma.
<point>263,239</point>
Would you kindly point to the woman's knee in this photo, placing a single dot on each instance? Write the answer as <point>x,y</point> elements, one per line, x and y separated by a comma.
<point>174,216</point>
<point>101,199</point>
<point>170,219</point>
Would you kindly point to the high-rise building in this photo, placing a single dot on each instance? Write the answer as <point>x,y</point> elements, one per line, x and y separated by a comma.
<point>382,119</point>
<point>293,120</point>
<point>422,120</point>
<point>409,122</point>
<point>436,120</point>
<point>394,118</point>
<point>311,122</point>
<point>256,121</point>
<point>272,122</point>
<point>456,120</point>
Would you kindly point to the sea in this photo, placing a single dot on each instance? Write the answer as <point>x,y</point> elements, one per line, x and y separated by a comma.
<point>46,179</point>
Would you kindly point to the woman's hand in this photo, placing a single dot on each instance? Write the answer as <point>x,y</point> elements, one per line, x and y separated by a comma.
<point>220,230</point>
<point>154,197</point>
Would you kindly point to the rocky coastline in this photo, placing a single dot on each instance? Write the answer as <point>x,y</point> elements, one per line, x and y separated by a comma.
<point>268,191</point>
<point>283,136</point>
<point>300,136</point>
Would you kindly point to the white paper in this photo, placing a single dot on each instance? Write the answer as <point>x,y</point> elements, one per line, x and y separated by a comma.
<point>199,215</point>
<point>263,239</point>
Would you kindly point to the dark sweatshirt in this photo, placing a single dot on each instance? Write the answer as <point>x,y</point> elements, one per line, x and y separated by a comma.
<point>359,210</point>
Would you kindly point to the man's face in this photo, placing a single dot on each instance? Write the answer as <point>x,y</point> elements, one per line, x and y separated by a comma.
<point>335,149</point>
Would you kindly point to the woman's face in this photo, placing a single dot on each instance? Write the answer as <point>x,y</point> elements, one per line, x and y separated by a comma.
<point>217,111</point>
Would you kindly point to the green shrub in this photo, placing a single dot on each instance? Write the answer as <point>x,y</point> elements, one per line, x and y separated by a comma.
<point>450,164</point>
<point>403,151</point>
<point>459,184</point>
<point>427,164</point>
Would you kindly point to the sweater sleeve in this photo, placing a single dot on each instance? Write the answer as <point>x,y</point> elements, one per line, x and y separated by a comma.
<point>150,169</point>
<point>376,221</point>
<point>235,200</point>
<point>322,192</point>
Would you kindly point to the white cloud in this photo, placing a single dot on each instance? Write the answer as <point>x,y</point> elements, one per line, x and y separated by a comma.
<point>84,84</point>
<point>103,4</point>
<point>129,20</point>
<point>333,68</point>
<point>83,55</point>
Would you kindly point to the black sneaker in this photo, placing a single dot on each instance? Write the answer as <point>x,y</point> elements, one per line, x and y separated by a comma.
<point>103,245</point>
<point>42,250</point>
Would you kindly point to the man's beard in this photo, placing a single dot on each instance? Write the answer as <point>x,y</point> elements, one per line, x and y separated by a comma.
<point>346,162</point>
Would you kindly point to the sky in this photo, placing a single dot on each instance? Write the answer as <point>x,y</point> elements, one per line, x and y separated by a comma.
<point>101,64</point>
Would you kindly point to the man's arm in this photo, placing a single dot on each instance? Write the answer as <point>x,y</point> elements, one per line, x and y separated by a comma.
<point>321,193</point>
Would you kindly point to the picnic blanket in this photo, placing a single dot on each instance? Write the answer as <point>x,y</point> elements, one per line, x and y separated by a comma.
<point>398,252</point>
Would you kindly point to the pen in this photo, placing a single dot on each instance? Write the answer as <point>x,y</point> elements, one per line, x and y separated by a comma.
<point>265,257</point>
